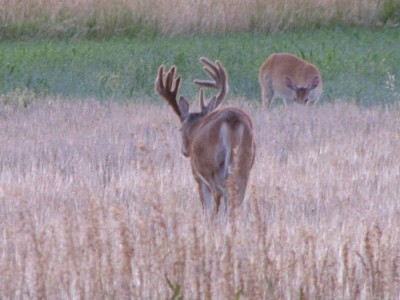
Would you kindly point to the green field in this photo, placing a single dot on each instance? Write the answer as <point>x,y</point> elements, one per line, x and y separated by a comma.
<point>355,63</point>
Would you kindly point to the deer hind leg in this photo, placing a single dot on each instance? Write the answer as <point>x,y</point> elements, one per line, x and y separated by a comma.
<point>237,180</point>
<point>214,199</point>
<point>217,200</point>
<point>225,160</point>
<point>210,196</point>
<point>205,193</point>
<point>241,190</point>
<point>267,92</point>
<point>232,182</point>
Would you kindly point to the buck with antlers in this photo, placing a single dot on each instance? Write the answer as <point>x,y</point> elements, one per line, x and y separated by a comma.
<point>219,142</point>
<point>290,78</point>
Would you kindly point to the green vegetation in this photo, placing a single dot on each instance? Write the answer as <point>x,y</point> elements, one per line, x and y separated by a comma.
<point>355,63</point>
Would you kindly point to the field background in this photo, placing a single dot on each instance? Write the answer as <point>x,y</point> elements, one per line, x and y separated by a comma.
<point>356,64</point>
<point>96,201</point>
<point>102,18</point>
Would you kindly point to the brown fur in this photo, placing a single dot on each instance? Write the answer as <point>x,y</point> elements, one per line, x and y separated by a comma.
<point>212,166</point>
<point>219,143</point>
<point>305,82</point>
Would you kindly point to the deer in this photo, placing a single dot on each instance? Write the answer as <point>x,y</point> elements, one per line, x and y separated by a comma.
<point>290,78</point>
<point>218,141</point>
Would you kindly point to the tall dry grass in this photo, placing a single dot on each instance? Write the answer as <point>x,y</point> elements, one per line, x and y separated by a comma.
<point>96,202</point>
<point>175,17</point>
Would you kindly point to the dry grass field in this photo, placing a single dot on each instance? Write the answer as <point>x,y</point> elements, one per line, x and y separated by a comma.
<point>83,18</point>
<point>98,203</point>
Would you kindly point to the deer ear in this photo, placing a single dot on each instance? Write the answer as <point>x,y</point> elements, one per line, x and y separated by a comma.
<point>183,106</point>
<point>314,82</point>
<point>289,83</point>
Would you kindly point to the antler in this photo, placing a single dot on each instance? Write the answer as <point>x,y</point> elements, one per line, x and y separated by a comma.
<point>217,72</point>
<point>212,104</point>
<point>167,87</point>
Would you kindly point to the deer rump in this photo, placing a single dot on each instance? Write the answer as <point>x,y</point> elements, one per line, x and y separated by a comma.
<point>223,151</point>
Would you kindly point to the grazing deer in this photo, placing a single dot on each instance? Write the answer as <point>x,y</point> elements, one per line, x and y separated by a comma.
<point>219,143</point>
<point>290,78</point>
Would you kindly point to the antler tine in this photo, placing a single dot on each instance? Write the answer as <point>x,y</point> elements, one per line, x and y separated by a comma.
<point>167,87</point>
<point>217,72</point>
<point>201,98</point>
<point>212,71</point>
